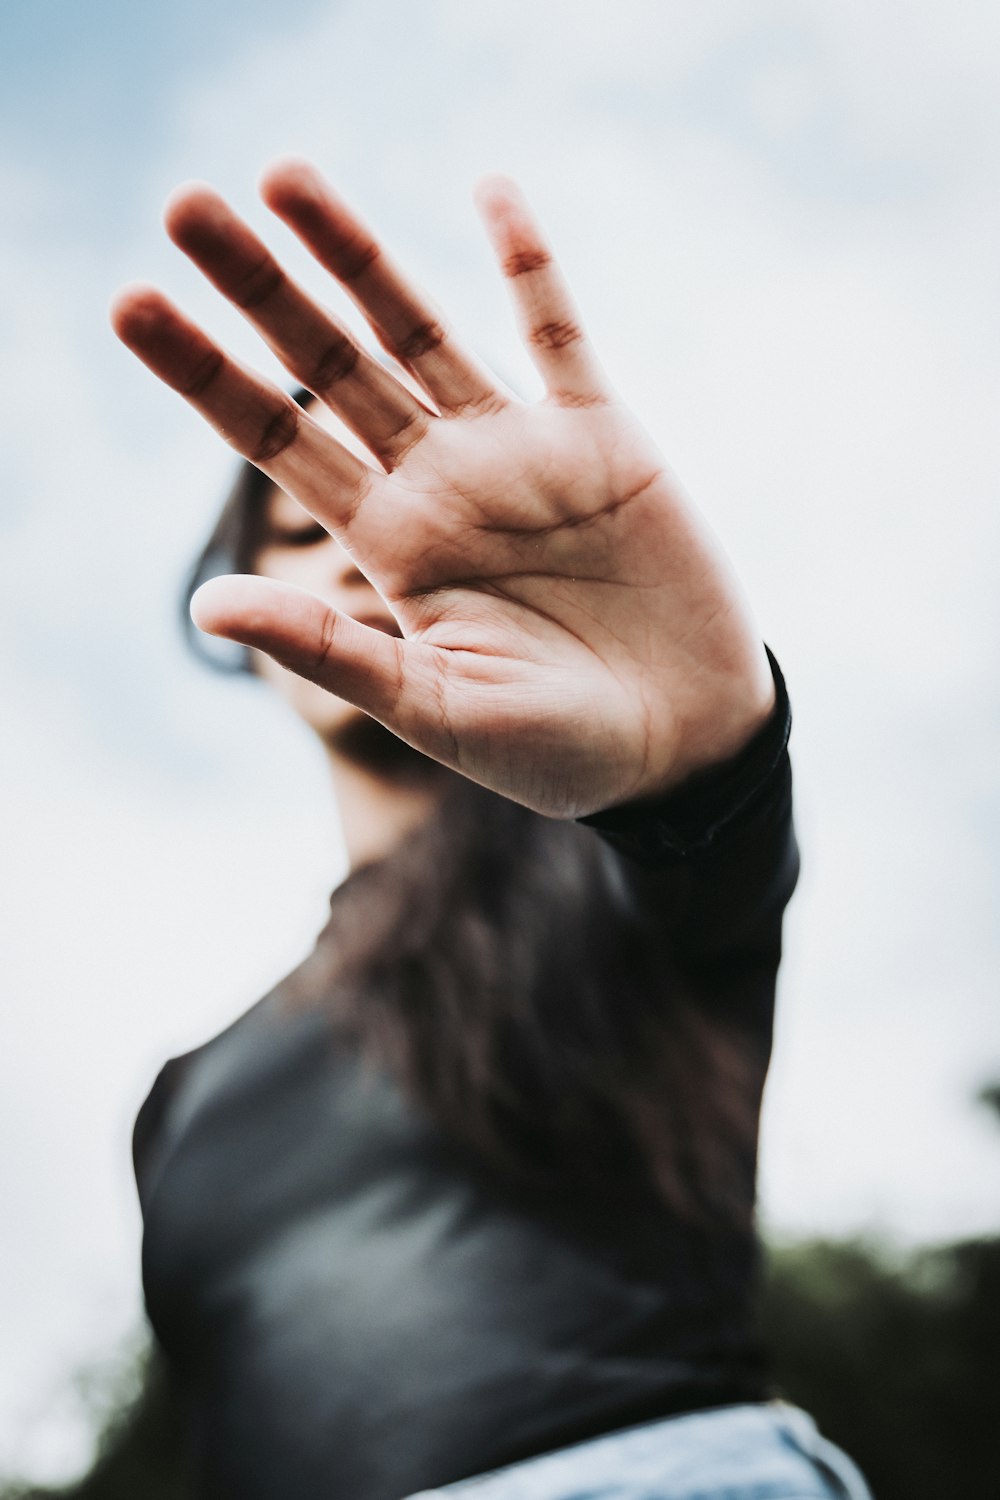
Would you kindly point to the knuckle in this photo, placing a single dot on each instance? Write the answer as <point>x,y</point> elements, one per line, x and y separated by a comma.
<point>556,335</point>
<point>258,284</point>
<point>407,431</point>
<point>355,257</point>
<point>324,646</point>
<point>204,372</point>
<point>420,340</point>
<point>582,400</point>
<point>336,363</point>
<point>278,433</point>
<point>353,501</point>
<point>523,261</point>
<point>482,404</point>
<point>395,681</point>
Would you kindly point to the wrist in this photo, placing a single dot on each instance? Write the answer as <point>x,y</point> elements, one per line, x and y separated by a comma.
<point>689,815</point>
<point>717,730</point>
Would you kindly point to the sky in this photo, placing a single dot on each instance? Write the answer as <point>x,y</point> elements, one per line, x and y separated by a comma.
<point>783,224</point>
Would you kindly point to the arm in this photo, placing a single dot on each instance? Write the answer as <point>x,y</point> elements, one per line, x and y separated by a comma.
<point>717,861</point>
<point>571,635</point>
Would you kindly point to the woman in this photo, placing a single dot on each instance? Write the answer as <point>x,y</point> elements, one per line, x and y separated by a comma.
<point>472,1191</point>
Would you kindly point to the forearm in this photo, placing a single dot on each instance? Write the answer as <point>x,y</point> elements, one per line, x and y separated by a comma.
<point>714,864</point>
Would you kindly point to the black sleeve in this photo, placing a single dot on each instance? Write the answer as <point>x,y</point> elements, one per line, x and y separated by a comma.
<point>714,864</point>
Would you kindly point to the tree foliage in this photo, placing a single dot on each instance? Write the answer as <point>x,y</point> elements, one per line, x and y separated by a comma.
<point>895,1359</point>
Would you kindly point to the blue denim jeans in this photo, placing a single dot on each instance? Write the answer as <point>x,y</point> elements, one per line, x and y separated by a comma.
<point>766,1451</point>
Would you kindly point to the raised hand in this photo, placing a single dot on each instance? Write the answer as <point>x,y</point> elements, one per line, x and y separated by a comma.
<point>571,635</point>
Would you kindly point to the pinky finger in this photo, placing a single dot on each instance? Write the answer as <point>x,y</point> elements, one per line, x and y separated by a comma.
<point>251,414</point>
<point>550,324</point>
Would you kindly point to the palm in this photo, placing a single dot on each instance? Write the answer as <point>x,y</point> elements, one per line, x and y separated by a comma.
<point>571,636</point>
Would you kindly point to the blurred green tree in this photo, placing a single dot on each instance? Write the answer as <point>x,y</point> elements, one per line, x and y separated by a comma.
<point>896,1357</point>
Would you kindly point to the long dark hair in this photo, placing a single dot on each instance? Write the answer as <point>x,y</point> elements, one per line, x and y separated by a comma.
<point>496,967</point>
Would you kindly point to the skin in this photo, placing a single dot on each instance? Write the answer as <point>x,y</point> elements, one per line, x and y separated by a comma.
<point>382,787</point>
<point>298,551</point>
<point>571,634</point>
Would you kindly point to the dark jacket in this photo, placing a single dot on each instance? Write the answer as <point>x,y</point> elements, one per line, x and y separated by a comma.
<point>356,1305</point>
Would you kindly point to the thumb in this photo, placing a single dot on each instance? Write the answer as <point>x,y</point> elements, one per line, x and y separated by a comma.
<point>375,671</point>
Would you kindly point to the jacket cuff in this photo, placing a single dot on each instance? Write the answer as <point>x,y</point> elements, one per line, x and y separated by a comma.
<point>708,806</point>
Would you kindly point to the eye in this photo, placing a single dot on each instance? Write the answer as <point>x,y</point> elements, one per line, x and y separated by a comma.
<point>300,536</point>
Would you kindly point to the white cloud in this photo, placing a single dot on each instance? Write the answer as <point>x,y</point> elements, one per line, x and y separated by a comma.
<point>919,84</point>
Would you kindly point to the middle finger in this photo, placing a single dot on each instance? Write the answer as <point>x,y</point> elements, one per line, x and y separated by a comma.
<point>406,324</point>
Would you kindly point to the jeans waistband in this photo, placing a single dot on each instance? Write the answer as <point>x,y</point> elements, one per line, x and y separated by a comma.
<point>757,1451</point>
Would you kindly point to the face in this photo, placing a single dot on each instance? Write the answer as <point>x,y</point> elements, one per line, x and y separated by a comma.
<point>296,549</point>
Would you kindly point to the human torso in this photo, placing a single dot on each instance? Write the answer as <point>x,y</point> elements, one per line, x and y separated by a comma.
<point>354,1303</point>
